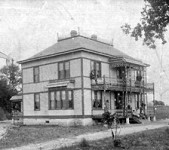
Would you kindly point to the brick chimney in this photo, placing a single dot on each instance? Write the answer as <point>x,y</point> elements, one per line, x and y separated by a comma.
<point>94,37</point>
<point>73,33</point>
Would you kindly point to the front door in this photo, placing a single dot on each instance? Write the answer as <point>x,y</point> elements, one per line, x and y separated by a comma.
<point>119,100</point>
<point>107,101</point>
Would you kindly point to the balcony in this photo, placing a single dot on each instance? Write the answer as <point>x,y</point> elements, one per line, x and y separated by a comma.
<point>115,84</point>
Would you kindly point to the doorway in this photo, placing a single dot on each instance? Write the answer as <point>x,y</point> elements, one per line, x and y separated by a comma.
<point>119,100</point>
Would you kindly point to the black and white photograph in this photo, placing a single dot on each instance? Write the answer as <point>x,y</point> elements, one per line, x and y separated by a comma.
<point>84,74</point>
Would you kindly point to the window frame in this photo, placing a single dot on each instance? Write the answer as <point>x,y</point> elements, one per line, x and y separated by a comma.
<point>36,109</point>
<point>60,90</point>
<point>65,76</point>
<point>120,72</point>
<point>34,74</point>
<point>51,100</point>
<point>94,68</point>
<point>98,100</point>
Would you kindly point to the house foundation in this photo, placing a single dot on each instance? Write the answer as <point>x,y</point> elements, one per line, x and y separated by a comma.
<point>60,122</point>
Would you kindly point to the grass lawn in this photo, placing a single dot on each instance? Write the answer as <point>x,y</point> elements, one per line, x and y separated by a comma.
<point>23,135</point>
<point>157,139</point>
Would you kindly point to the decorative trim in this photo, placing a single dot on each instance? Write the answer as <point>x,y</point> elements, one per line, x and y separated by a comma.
<point>71,80</point>
<point>47,91</point>
<point>58,84</point>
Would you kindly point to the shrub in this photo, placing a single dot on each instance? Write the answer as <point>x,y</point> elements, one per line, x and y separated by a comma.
<point>84,143</point>
<point>2,114</point>
<point>167,131</point>
<point>117,143</point>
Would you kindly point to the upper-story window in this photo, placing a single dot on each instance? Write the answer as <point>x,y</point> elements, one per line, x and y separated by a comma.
<point>64,70</point>
<point>120,73</point>
<point>96,68</point>
<point>36,101</point>
<point>138,75</point>
<point>36,74</point>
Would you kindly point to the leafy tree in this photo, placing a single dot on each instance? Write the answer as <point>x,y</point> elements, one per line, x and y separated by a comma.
<point>155,18</point>
<point>9,85</point>
<point>159,103</point>
<point>13,74</point>
<point>6,92</point>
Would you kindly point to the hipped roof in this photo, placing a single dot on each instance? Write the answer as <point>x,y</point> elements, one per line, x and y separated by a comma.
<point>78,43</point>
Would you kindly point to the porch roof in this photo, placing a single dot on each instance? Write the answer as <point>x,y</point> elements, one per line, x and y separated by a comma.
<point>126,61</point>
<point>16,98</point>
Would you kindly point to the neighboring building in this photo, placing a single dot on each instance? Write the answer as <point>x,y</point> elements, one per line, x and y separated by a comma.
<point>72,81</point>
<point>16,101</point>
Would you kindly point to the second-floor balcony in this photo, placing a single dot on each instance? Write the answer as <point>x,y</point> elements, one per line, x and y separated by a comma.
<point>107,83</point>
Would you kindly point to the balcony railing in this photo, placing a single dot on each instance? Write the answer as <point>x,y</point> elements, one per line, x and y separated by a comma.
<point>128,83</point>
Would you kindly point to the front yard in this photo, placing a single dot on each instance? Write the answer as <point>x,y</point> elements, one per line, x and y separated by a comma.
<point>23,135</point>
<point>156,139</point>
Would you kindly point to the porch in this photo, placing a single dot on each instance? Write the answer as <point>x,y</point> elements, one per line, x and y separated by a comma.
<point>114,84</point>
<point>122,119</point>
<point>120,112</point>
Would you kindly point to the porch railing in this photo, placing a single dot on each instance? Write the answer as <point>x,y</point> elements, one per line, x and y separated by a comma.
<point>112,111</point>
<point>123,82</point>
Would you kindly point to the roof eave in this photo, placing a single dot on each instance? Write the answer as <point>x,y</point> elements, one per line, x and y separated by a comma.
<point>61,53</point>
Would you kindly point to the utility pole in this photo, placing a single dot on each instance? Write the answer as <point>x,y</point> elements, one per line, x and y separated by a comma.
<point>154,103</point>
<point>104,93</point>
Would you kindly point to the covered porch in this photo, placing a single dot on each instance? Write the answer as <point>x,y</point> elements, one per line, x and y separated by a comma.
<point>129,87</point>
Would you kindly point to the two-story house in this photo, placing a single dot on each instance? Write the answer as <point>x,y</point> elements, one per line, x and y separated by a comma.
<point>73,80</point>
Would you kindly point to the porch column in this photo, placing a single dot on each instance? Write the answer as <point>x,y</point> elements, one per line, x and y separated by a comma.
<point>154,117</point>
<point>127,120</point>
<point>21,106</point>
<point>125,92</point>
<point>146,104</point>
<point>123,101</point>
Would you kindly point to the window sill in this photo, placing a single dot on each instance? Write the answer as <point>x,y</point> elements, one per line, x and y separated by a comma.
<point>37,110</point>
<point>98,109</point>
<point>37,82</point>
<point>62,109</point>
<point>71,80</point>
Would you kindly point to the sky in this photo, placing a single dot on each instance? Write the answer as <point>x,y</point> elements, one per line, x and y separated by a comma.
<point>30,26</point>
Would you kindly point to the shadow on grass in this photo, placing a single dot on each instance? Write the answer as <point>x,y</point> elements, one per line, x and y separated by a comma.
<point>156,139</point>
<point>33,134</point>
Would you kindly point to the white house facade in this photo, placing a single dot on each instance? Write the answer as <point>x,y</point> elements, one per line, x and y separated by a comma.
<point>73,80</point>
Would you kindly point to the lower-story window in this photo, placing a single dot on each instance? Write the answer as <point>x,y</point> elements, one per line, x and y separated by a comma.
<point>60,99</point>
<point>97,101</point>
<point>36,101</point>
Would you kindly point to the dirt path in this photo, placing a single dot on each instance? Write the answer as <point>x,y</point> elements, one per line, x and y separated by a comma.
<point>62,142</point>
